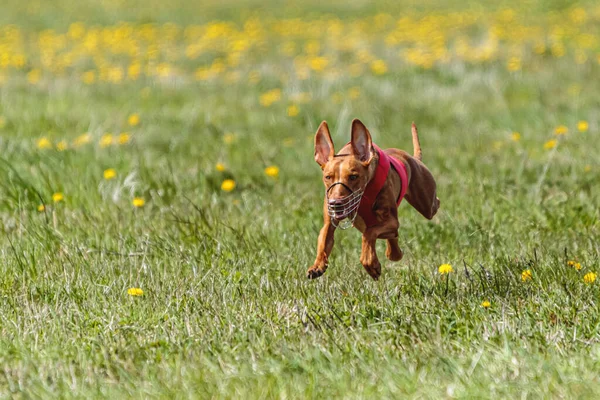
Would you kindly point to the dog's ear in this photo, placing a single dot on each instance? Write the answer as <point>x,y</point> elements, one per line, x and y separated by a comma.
<point>361,142</point>
<point>323,145</point>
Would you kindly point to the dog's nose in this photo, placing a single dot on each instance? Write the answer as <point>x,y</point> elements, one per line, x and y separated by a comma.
<point>336,202</point>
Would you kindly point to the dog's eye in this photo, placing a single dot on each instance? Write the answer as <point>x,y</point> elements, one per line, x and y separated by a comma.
<point>328,177</point>
<point>353,177</point>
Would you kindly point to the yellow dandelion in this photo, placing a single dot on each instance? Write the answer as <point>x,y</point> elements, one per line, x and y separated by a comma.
<point>445,269</point>
<point>550,144</point>
<point>135,291</point>
<point>34,76</point>
<point>270,97</point>
<point>41,208</point>
<point>138,202</point>
<point>44,143</point>
<point>133,119</point>
<point>292,110</point>
<point>124,138</point>
<point>57,197</point>
<point>590,278</point>
<point>106,140</point>
<point>62,145</point>
<point>486,304</point>
<point>318,63</point>
<point>228,185</point>
<point>2,122</point>
<point>82,139</point>
<point>574,264</point>
<point>220,167</point>
<point>515,136</point>
<point>354,93</point>
<point>229,138</point>
<point>88,77</point>
<point>582,126</point>
<point>514,64</point>
<point>526,275</point>
<point>587,168</point>
<point>110,173</point>
<point>561,130</point>
<point>379,67</point>
<point>272,171</point>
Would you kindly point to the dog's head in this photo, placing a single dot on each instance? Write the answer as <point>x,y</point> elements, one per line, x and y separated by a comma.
<point>348,172</point>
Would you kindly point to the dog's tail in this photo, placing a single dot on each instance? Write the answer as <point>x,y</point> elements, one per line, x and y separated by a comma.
<point>416,145</point>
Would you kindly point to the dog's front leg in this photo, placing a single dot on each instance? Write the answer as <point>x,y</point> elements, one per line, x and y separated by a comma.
<point>324,247</point>
<point>368,256</point>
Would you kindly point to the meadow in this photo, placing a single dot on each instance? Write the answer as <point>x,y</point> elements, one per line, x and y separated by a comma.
<point>160,203</point>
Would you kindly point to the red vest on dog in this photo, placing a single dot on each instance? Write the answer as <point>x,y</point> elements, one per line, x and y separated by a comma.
<point>365,209</point>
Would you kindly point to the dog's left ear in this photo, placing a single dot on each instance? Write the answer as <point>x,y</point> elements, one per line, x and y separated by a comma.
<point>361,141</point>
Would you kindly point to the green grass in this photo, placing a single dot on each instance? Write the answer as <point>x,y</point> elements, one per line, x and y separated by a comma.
<point>227,311</point>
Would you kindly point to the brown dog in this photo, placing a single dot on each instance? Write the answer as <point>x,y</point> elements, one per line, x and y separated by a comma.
<point>364,186</point>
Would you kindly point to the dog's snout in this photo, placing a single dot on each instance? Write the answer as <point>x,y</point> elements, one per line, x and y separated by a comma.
<point>336,202</point>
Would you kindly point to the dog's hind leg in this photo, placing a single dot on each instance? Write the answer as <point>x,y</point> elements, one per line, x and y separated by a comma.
<point>393,251</point>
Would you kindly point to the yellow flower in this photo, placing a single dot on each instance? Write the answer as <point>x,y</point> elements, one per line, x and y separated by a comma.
<point>445,269</point>
<point>318,63</point>
<point>109,173</point>
<point>590,277</point>
<point>354,92</point>
<point>270,97</point>
<point>486,304</point>
<point>550,144</point>
<point>229,138</point>
<point>106,140</point>
<point>292,110</point>
<point>62,145</point>
<point>133,119</point>
<point>379,67</point>
<point>138,202</point>
<point>34,76</point>
<point>561,130</point>
<point>220,167</point>
<point>2,122</point>
<point>574,264</point>
<point>88,77</point>
<point>515,136</point>
<point>228,185</point>
<point>272,171</point>
<point>514,64</point>
<point>82,139</point>
<point>124,138</point>
<point>44,143</point>
<point>587,168</point>
<point>526,275</point>
<point>41,208</point>
<point>58,196</point>
<point>582,126</point>
<point>135,291</point>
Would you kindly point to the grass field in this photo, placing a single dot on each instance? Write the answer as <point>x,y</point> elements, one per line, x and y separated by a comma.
<point>160,202</point>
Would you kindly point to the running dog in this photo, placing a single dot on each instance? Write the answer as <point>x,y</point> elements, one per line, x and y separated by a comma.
<point>364,186</point>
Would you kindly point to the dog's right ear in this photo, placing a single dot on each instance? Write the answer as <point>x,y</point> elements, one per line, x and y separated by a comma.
<point>323,145</point>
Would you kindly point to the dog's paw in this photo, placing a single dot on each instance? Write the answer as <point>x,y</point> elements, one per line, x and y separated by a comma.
<point>374,270</point>
<point>315,271</point>
<point>394,253</point>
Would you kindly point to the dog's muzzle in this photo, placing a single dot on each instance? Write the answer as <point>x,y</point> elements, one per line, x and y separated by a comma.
<point>344,207</point>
